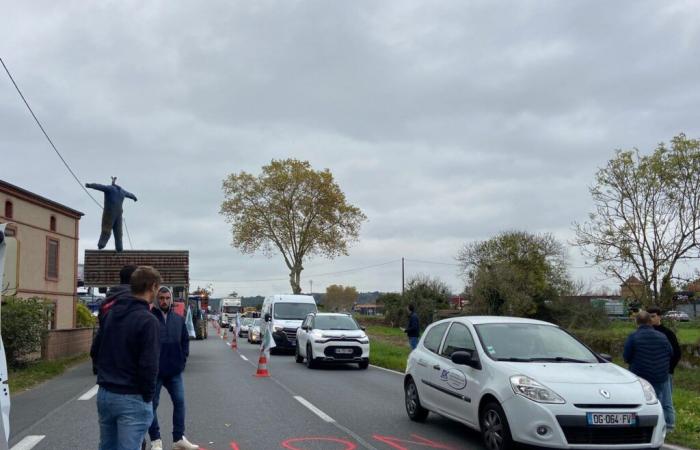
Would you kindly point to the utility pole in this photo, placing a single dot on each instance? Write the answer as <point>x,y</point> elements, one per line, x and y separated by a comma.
<point>403,285</point>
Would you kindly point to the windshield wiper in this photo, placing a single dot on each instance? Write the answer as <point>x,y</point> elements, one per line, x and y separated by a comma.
<point>514,359</point>
<point>560,359</point>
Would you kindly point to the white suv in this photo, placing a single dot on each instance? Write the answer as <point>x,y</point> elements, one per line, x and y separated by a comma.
<point>327,337</point>
<point>527,381</point>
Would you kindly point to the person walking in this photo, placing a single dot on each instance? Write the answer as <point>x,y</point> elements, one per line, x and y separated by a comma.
<point>649,355</point>
<point>127,365</point>
<point>413,329</point>
<point>669,410</point>
<point>174,350</point>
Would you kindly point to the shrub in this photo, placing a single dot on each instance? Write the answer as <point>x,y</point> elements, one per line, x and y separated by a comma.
<point>24,324</point>
<point>83,317</point>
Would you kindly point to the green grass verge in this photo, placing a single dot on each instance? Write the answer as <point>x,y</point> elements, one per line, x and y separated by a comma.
<point>687,404</point>
<point>384,331</point>
<point>388,355</point>
<point>40,371</point>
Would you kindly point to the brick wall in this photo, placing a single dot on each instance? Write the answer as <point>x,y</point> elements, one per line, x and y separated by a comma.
<point>66,343</point>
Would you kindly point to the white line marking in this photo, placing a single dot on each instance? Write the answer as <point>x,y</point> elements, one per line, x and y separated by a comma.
<point>89,394</point>
<point>314,410</point>
<point>387,370</point>
<point>28,443</point>
<point>244,358</point>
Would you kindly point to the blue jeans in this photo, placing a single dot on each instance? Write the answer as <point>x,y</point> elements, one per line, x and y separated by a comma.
<point>664,392</point>
<point>176,389</point>
<point>413,342</point>
<point>124,419</point>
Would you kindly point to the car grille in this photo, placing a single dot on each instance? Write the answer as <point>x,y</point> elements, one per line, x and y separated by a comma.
<point>291,333</point>
<point>330,352</point>
<point>605,406</point>
<point>608,435</point>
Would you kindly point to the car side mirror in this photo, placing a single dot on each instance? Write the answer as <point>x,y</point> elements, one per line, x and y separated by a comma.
<point>606,357</point>
<point>268,317</point>
<point>466,358</point>
<point>363,328</point>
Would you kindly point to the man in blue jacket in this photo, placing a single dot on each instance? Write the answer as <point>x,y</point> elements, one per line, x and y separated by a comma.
<point>413,329</point>
<point>174,350</point>
<point>648,353</point>
<point>127,365</point>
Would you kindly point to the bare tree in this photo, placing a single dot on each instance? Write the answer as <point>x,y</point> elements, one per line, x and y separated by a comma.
<point>647,216</point>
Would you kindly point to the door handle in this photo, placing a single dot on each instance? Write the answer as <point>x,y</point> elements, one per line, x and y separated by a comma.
<point>436,367</point>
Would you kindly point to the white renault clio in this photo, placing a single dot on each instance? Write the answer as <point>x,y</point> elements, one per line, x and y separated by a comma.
<point>527,381</point>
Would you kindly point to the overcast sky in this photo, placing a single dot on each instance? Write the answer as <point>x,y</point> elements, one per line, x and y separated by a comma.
<point>446,122</point>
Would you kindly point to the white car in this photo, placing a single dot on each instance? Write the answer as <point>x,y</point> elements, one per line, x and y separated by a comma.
<point>254,331</point>
<point>327,337</point>
<point>530,382</point>
<point>245,324</point>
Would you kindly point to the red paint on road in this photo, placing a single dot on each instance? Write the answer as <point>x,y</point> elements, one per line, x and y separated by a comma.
<point>289,443</point>
<point>234,445</point>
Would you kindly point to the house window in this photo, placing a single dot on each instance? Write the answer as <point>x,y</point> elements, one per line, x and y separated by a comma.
<point>8,209</point>
<point>52,223</point>
<point>52,259</point>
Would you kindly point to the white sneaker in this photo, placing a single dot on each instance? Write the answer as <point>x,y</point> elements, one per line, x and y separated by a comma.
<point>157,445</point>
<point>184,444</point>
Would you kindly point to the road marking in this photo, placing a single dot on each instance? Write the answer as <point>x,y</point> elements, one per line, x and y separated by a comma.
<point>89,394</point>
<point>387,370</point>
<point>28,443</point>
<point>244,358</point>
<point>313,409</point>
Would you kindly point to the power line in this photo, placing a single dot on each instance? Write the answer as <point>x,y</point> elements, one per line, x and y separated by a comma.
<point>47,136</point>
<point>127,232</point>
<point>356,269</point>
<point>433,262</point>
<point>65,163</point>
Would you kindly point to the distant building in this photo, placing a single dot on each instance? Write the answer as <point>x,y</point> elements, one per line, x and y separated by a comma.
<point>47,250</point>
<point>633,289</point>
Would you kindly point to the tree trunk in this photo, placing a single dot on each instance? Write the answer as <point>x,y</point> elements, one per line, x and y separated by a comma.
<point>295,278</point>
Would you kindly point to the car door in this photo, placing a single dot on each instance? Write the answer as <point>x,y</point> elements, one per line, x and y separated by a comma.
<point>303,334</point>
<point>456,385</point>
<point>427,359</point>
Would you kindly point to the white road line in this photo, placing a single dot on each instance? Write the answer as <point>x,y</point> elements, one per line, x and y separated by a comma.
<point>244,358</point>
<point>387,370</point>
<point>28,443</point>
<point>89,394</point>
<point>314,410</point>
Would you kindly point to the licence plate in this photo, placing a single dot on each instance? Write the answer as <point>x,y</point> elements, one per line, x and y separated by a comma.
<point>343,351</point>
<point>611,419</point>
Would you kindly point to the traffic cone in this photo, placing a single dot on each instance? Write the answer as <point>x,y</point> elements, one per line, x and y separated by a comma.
<point>218,330</point>
<point>234,342</point>
<point>225,336</point>
<point>262,366</point>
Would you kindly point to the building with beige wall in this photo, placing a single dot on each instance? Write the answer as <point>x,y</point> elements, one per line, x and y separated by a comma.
<point>47,250</point>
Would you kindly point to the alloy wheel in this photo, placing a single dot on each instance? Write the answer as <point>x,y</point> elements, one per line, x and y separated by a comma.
<point>493,430</point>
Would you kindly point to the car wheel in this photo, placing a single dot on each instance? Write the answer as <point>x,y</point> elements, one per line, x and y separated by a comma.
<point>310,363</point>
<point>299,358</point>
<point>494,428</point>
<point>413,407</point>
<point>363,364</point>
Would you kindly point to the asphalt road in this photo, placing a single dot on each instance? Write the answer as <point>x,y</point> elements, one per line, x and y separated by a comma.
<point>332,408</point>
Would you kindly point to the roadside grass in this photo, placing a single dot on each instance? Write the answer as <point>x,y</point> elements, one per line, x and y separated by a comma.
<point>687,332</point>
<point>388,355</point>
<point>687,405</point>
<point>34,373</point>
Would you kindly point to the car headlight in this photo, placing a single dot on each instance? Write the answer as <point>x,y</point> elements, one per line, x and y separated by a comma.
<point>649,392</point>
<point>364,340</point>
<point>529,388</point>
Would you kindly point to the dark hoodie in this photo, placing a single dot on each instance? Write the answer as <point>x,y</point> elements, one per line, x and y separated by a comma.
<point>113,294</point>
<point>174,340</point>
<point>128,349</point>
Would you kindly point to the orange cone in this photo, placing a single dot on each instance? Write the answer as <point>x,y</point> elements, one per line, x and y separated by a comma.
<point>218,329</point>
<point>225,336</point>
<point>262,366</point>
<point>234,343</point>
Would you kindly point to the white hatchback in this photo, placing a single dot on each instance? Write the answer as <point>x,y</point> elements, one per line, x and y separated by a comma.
<point>528,381</point>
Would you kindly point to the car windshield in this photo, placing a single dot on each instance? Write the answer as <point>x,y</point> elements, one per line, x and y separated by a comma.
<point>293,311</point>
<point>247,321</point>
<point>527,342</point>
<point>257,322</point>
<point>231,309</point>
<point>335,323</point>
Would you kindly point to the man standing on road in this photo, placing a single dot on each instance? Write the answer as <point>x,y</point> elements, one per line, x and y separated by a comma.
<point>123,289</point>
<point>174,350</point>
<point>127,365</point>
<point>413,329</point>
<point>649,355</point>
<point>655,315</point>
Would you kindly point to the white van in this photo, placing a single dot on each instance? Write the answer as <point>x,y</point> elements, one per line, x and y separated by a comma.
<point>284,314</point>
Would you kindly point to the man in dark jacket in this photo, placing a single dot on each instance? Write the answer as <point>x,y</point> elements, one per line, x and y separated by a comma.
<point>655,315</point>
<point>123,289</point>
<point>649,354</point>
<point>127,365</point>
<point>413,329</point>
<point>174,350</point>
